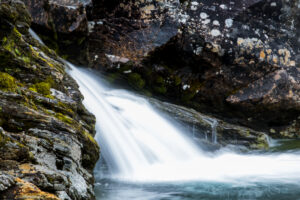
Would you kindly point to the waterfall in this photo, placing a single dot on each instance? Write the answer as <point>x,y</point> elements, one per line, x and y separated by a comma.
<point>35,36</point>
<point>140,145</point>
<point>214,134</point>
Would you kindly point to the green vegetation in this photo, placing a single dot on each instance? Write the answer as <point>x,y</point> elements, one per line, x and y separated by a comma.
<point>42,88</point>
<point>177,80</point>
<point>159,80</point>
<point>7,82</point>
<point>160,89</point>
<point>89,137</point>
<point>64,118</point>
<point>136,81</point>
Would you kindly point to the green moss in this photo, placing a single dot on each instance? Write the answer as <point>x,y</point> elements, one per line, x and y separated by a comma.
<point>126,66</point>
<point>35,54</point>
<point>177,80</point>
<point>7,82</point>
<point>66,107</point>
<point>3,140</point>
<point>89,137</point>
<point>42,88</point>
<point>17,52</point>
<point>286,145</point>
<point>9,45</point>
<point>146,93</point>
<point>261,143</point>
<point>159,80</point>
<point>17,33</point>
<point>8,13</point>
<point>160,89</point>
<point>136,81</point>
<point>50,96</point>
<point>64,118</point>
<point>4,40</point>
<point>111,78</point>
<point>187,95</point>
<point>26,59</point>
<point>50,80</point>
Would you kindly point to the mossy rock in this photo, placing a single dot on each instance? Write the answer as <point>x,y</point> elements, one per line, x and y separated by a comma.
<point>42,88</point>
<point>176,80</point>
<point>7,82</point>
<point>3,139</point>
<point>159,80</point>
<point>187,95</point>
<point>136,81</point>
<point>111,78</point>
<point>64,118</point>
<point>6,12</point>
<point>160,89</point>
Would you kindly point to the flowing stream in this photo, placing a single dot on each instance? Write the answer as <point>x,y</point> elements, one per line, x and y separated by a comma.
<point>149,158</point>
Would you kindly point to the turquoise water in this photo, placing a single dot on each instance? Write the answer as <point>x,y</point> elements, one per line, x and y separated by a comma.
<point>108,189</point>
<point>111,190</point>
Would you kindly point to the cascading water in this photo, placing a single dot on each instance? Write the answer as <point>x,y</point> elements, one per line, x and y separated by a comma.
<point>214,134</point>
<point>140,145</point>
<point>35,36</point>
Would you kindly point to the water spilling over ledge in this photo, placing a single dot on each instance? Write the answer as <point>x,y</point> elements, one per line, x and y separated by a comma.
<point>140,145</point>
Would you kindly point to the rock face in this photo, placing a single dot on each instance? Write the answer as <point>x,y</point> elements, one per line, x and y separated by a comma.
<point>47,150</point>
<point>210,132</point>
<point>63,26</point>
<point>238,60</point>
<point>131,29</point>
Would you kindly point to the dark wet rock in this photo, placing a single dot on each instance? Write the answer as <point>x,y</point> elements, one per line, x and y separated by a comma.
<point>238,60</point>
<point>130,29</point>
<point>46,134</point>
<point>63,26</point>
<point>210,132</point>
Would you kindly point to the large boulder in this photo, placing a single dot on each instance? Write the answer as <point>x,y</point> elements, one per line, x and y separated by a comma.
<point>47,150</point>
<point>235,59</point>
<point>131,28</point>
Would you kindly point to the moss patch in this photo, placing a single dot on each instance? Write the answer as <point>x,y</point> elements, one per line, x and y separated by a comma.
<point>42,88</point>
<point>64,118</point>
<point>89,137</point>
<point>160,89</point>
<point>7,82</point>
<point>136,81</point>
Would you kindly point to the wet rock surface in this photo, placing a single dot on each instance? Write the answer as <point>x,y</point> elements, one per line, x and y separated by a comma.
<point>63,26</point>
<point>210,132</point>
<point>238,60</point>
<point>47,150</point>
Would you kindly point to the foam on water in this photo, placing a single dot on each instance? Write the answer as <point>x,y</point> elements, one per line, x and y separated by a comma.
<point>140,145</point>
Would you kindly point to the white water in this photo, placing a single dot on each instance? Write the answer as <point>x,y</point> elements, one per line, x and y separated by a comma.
<point>214,134</point>
<point>35,36</point>
<point>140,145</point>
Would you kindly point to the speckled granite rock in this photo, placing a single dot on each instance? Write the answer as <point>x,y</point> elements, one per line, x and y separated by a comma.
<point>132,28</point>
<point>47,150</point>
<point>238,60</point>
